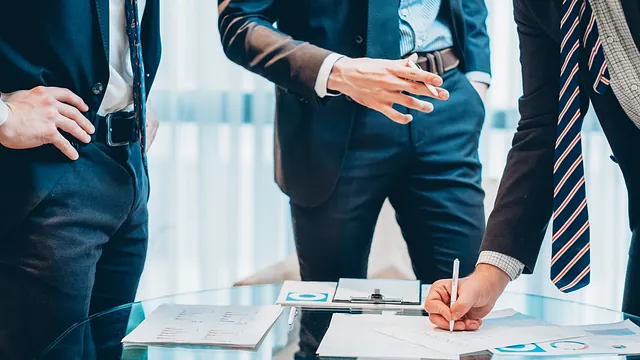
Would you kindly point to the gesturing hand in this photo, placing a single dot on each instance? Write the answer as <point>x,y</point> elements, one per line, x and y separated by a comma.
<point>379,84</point>
<point>36,115</point>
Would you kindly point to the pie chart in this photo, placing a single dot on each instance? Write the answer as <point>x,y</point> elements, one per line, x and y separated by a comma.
<point>569,345</point>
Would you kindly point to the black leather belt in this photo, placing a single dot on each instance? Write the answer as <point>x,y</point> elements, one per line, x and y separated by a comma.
<point>438,62</point>
<point>115,129</point>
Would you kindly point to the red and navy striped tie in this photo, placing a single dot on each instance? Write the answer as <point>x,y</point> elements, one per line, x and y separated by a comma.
<point>570,263</point>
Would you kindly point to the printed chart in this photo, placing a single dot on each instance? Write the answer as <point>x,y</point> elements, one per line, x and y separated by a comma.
<point>621,338</point>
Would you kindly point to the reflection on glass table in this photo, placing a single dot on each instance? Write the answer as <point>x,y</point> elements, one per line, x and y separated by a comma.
<point>99,337</point>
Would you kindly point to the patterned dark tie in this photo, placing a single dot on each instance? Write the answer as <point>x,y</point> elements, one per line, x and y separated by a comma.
<point>139,89</point>
<point>383,29</point>
<point>570,263</point>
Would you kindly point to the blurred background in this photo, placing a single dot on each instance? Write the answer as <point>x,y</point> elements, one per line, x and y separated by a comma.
<point>217,215</point>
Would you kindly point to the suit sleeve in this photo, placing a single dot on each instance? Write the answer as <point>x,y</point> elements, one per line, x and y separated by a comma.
<point>477,55</point>
<point>250,40</point>
<point>524,202</point>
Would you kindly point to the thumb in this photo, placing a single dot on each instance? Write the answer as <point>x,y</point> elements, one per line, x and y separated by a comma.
<point>466,300</point>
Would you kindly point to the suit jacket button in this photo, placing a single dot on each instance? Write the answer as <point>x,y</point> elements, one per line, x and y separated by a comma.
<point>97,89</point>
<point>359,39</point>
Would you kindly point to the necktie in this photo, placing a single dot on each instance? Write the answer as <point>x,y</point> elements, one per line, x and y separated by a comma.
<point>383,29</point>
<point>139,89</point>
<point>570,263</point>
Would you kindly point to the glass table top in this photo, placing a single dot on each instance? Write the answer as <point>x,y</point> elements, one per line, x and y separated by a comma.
<point>99,336</point>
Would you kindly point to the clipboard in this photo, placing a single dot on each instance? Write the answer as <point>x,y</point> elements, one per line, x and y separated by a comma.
<point>311,295</point>
<point>378,291</point>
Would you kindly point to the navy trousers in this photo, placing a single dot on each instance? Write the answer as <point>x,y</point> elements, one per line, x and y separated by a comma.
<point>77,249</point>
<point>431,174</point>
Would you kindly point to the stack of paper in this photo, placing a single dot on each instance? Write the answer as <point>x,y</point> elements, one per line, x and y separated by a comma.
<point>502,331</point>
<point>353,336</point>
<point>621,338</point>
<point>504,328</point>
<point>233,326</point>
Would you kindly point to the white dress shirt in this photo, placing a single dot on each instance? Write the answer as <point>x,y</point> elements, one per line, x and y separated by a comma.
<point>119,92</point>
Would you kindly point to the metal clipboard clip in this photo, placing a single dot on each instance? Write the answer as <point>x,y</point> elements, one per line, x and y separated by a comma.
<point>376,298</point>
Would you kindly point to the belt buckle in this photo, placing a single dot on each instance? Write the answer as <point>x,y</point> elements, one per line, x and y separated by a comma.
<point>110,140</point>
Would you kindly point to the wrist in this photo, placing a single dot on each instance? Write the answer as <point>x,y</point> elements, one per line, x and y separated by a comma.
<point>337,74</point>
<point>493,276</point>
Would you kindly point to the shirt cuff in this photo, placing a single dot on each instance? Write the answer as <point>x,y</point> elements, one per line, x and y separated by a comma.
<point>479,76</point>
<point>323,75</point>
<point>4,112</point>
<point>510,265</point>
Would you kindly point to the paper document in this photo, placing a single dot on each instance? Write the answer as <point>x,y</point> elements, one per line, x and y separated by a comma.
<point>406,291</point>
<point>352,336</point>
<point>308,294</point>
<point>495,332</point>
<point>622,338</point>
<point>233,326</point>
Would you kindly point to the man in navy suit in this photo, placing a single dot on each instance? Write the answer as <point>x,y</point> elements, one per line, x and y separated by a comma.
<point>74,186</point>
<point>356,124</point>
<point>593,46</point>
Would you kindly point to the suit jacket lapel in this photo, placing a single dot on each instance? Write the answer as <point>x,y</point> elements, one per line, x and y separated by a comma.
<point>102,10</point>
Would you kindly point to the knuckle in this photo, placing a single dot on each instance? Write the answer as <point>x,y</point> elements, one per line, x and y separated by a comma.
<point>39,90</point>
<point>48,100</point>
<point>50,113</point>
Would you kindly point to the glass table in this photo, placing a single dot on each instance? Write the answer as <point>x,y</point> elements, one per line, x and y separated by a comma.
<point>99,336</point>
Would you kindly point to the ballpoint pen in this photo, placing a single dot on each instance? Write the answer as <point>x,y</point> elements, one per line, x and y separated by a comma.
<point>292,315</point>
<point>431,88</point>
<point>454,289</point>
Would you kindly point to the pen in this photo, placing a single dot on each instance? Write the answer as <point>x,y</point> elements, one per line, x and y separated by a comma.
<point>454,289</point>
<point>431,88</point>
<point>292,315</point>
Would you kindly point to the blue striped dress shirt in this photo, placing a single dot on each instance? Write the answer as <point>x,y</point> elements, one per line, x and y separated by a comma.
<point>422,27</point>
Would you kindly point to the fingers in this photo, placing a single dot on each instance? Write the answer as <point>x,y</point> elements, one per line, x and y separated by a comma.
<point>439,321</point>
<point>460,325</point>
<point>438,299</point>
<point>470,324</point>
<point>465,302</point>
<point>394,115</point>
<point>72,128</point>
<point>65,147</point>
<point>74,114</point>
<point>67,96</point>
<point>410,73</point>
<point>396,84</point>
<point>412,103</point>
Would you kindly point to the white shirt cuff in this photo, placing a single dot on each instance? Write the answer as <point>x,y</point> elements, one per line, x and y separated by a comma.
<point>479,76</point>
<point>4,112</point>
<point>510,265</point>
<point>323,75</point>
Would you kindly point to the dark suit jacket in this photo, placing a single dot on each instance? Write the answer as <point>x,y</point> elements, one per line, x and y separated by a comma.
<point>524,202</point>
<point>62,43</point>
<point>312,133</point>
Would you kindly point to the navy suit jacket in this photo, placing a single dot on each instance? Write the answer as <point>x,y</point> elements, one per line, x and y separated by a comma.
<point>312,133</point>
<point>61,43</point>
<point>524,202</point>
